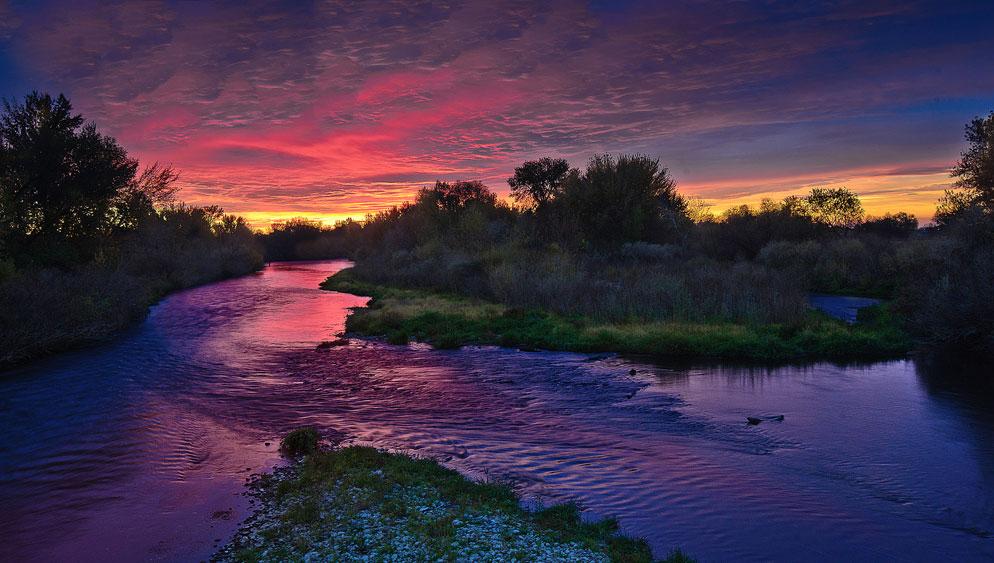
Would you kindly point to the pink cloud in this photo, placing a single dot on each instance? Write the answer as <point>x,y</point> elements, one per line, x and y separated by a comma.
<point>335,107</point>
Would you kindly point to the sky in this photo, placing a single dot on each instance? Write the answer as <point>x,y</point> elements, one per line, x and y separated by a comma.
<point>330,109</point>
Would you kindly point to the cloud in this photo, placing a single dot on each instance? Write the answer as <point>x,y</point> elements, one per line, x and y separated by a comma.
<point>341,106</point>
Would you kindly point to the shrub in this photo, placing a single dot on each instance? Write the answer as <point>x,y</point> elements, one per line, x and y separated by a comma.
<point>300,442</point>
<point>950,302</point>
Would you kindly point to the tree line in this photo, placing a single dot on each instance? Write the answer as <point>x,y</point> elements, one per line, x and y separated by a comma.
<point>88,238</point>
<point>617,240</point>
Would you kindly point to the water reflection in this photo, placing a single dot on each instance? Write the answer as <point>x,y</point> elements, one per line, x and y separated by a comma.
<point>133,450</point>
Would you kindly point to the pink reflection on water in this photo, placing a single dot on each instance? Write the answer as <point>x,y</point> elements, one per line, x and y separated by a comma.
<point>128,452</point>
<point>186,502</point>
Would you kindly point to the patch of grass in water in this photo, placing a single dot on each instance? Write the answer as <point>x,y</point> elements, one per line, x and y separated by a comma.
<point>450,321</point>
<point>359,499</point>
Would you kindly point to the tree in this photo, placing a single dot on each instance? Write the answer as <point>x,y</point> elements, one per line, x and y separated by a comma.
<point>156,185</point>
<point>536,182</point>
<point>625,199</point>
<point>456,196</point>
<point>896,225</point>
<point>795,206</point>
<point>59,179</point>
<point>975,170</point>
<point>838,207</point>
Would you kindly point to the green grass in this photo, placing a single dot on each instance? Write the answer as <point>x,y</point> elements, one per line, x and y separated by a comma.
<point>449,321</point>
<point>326,497</point>
<point>302,441</point>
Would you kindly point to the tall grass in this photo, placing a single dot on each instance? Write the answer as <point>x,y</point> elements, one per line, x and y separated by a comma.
<point>46,310</point>
<point>446,320</point>
<point>601,286</point>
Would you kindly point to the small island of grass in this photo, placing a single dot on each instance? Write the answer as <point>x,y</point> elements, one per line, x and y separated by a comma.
<point>358,503</point>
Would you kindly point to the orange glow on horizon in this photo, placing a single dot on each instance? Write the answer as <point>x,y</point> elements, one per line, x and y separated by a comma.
<point>263,220</point>
<point>880,192</point>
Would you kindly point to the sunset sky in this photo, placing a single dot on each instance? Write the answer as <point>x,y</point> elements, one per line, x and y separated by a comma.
<point>335,109</point>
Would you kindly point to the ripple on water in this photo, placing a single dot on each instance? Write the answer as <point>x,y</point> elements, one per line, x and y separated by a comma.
<point>136,445</point>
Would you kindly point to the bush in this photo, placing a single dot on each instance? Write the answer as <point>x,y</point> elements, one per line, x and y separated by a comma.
<point>49,310</point>
<point>950,303</point>
<point>88,243</point>
<point>46,311</point>
<point>300,442</point>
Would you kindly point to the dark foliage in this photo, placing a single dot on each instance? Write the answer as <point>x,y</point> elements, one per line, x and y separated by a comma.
<point>615,243</point>
<point>537,182</point>
<point>975,170</point>
<point>836,207</point>
<point>59,180</point>
<point>741,233</point>
<point>457,196</point>
<point>87,242</point>
<point>299,442</point>
<point>896,225</point>
<point>302,239</point>
<point>949,301</point>
<point>625,199</point>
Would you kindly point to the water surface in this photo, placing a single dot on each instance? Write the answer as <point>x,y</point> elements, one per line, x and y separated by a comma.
<point>139,449</point>
<point>842,307</point>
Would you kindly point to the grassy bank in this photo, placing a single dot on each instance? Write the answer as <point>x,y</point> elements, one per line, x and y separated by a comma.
<point>446,321</point>
<point>358,503</point>
<point>47,311</point>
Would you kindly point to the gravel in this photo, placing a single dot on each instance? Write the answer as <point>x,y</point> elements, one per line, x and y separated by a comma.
<point>389,523</point>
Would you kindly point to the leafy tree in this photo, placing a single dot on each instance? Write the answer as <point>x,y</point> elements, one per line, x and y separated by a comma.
<point>456,196</point>
<point>59,179</point>
<point>156,185</point>
<point>623,199</point>
<point>742,231</point>
<point>795,206</point>
<point>896,225</point>
<point>950,302</point>
<point>953,206</point>
<point>975,170</point>
<point>284,238</point>
<point>536,182</point>
<point>838,207</point>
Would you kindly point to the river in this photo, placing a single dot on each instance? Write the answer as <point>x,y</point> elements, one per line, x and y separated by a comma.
<point>139,449</point>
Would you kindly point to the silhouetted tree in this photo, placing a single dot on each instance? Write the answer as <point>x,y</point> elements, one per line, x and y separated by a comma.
<point>536,182</point>
<point>157,183</point>
<point>629,198</point>
<point>456,196</point>
<point>975,170</point>
<point>70,198</point>
<point>953,207</point>
<point>838,207</point>
<point>896,225</point>
<point>971,205</point>
<point>950,300</point>
<point>743,231</point>
<point>59,179</point>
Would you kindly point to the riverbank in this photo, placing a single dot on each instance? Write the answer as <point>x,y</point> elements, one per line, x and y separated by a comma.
<point>358,503</point>
<point>47,312</point>
<point>448,321</point>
